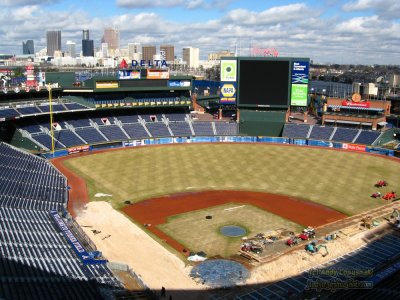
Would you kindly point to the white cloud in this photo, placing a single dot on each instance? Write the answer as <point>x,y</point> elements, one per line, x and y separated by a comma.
<point>290,29</point>
<point>26,2</point>
<point>149,3</point>
<point>278,14</point>
<point>388,9</point>
<point>194,4</point>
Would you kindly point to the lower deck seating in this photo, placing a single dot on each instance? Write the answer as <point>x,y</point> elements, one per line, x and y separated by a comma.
<point>180,129</point>
<point>295,131</point>
<point>36,260</point>
<point>203,128</point>
<point>223,128</point>
<point>90,135</point>
<point>158,129</point>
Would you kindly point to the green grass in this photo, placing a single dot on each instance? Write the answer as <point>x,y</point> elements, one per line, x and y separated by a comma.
<point>341,180</point>
<point>197,233</point>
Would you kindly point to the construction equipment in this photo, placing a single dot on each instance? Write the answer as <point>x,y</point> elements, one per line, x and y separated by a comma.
<point>376,195</point>
<point>294,240</point>
<point>390,196</point>
<point>313,248</point>
<point>381,183</point>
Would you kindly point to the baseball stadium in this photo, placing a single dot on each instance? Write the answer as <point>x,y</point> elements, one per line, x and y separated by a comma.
<point>148,185</point>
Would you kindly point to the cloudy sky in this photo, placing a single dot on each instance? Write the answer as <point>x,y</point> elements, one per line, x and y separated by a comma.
<point>327,31</point>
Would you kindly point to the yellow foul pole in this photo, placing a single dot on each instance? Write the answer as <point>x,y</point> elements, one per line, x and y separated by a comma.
<point>51,120</point>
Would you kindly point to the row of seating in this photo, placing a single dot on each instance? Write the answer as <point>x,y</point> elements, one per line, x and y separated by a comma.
<point>93,135</point>
<point>329,133</point>
<point>103,118</point>
<point>32,109</point>
<point>36,260</point>
<point>29,180</point>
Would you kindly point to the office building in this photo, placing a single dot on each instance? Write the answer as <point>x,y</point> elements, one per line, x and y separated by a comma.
<point>135,51</point>
<point>87,44</point>
<point>53,42</point>
<point>191,57</point>
<point>111,37</point>
<point>71,49</point>
<point>167,52</point>
<point>219,54</point>
<point>104,50</point>
<point>27,47</point>
<point>85,35</point>
<point>148,52</point>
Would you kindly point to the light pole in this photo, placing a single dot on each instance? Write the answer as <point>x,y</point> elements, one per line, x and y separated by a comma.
<point>51,119</point>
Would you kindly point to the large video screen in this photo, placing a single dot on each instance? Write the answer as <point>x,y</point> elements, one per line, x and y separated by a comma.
<point>263,83</point>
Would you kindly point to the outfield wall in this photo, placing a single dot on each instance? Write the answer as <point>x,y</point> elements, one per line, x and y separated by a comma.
<point>226,139</point>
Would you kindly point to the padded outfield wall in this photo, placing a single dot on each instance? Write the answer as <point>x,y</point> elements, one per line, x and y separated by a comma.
<point>261,123</point>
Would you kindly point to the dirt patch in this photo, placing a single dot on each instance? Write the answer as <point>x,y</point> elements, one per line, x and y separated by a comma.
<point>78,195</point>
<point>155,211</point>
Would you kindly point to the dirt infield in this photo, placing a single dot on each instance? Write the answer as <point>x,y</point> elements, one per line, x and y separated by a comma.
<point>156,211</point>
<point>77,194</point>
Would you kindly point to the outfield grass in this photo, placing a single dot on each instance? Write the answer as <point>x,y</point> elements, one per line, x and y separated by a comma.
<point>341,180</point>
<point>197,233</point>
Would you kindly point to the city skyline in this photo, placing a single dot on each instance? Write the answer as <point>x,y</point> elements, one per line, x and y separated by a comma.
<point>359,31</point>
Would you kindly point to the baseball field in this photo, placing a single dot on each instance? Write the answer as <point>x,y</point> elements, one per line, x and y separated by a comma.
<point>333,180</point>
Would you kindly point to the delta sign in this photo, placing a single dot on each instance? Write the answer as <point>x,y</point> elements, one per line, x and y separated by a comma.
<point>149,63</point>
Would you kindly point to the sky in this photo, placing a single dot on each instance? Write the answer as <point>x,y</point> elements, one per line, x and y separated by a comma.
<point>326,31</point>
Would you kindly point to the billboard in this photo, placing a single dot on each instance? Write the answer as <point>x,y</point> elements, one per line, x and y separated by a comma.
<point>228,93</point>
<point>128,74</point>
<point>157,74</point>
<point>299,89</point>
<point>228,70</point>
<point>107,84</point>
<point>179,83</point>
<point>263,82</point>
<point>299,94</point>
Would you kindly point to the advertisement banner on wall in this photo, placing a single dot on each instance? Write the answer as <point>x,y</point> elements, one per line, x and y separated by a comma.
<point>228,93</point>
<point>353,147</point>
<point>228,70</point>
<point>157,74</point>
<point>107,85</point>
<point>78,149</point>
<point>299,94</point>
<point>128,74</point>
<point>356,104</point>
<point>179,83</point>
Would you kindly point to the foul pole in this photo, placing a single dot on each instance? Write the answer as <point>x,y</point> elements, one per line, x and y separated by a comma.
<point>51,120</point>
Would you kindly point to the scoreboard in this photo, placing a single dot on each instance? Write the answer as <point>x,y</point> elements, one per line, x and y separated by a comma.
<point>275,82</point>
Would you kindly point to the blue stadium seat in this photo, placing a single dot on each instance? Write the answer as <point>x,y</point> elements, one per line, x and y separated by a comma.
<point>203,128</point>
<point>367,137</point>
<point>295,131</point>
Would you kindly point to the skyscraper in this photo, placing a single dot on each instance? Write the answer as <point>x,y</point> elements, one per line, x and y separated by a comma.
<point>111,37</point>
<point>87,45</point>
<point>85,35</point>
<point>71,48</point>
<point>53,42</point>
<point>191,57</point>
<point>27,48</point>
<point>148,52</point>
<point>104,50</point>
<point>135,51</point>
<point>167,52</point>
